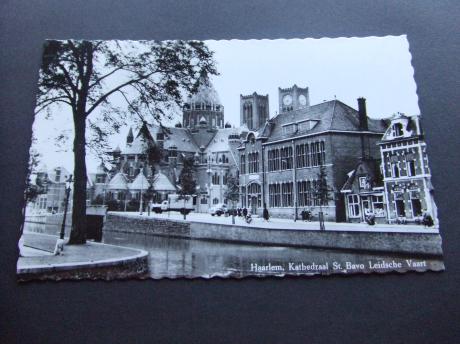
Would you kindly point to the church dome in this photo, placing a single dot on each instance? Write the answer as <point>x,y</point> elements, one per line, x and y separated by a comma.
<point>206,94</point>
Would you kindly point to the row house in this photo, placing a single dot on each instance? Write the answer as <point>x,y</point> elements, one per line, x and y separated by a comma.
<point>397,187</point>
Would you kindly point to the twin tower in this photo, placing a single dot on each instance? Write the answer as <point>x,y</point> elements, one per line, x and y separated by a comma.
<point>204,109</point>
<point>254,108</point>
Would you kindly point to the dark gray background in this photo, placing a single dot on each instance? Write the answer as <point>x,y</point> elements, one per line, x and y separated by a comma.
<point>370,309</point>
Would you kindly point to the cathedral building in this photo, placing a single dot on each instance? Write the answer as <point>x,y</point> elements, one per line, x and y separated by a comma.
<point>367,165</point>
<point>202,136</point>
<point>280,161</point>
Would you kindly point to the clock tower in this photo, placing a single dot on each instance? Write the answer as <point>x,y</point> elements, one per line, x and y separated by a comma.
<point>293,98</point>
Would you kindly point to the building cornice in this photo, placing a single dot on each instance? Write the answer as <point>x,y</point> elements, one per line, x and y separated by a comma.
<point>324,132</point>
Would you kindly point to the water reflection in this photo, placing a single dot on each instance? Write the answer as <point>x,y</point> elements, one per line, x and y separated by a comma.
<point>175,257</point>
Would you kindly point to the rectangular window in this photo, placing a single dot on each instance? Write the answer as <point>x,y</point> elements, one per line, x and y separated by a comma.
<point>377,204</point>
<point>277,195</point>
<point>411,168</point>
<point>313,154</point>
<point>300,156</point>
<point>277,159</point>
<point>323,152</point>
<point>353,205</point>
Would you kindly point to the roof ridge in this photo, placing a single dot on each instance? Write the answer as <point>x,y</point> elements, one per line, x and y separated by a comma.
<point>333,114</point>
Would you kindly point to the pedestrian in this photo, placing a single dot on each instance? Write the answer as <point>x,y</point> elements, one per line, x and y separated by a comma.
<point>245,212</point>
<point>149,207</point>
<point>266,215</point>
<point>303,214</point>
<point>427,219</point>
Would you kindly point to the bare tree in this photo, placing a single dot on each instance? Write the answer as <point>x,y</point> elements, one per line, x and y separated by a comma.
<point>84,75</point>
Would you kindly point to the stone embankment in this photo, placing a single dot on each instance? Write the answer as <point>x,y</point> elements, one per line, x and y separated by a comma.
<point>89,261</point>
<point>400,243</point>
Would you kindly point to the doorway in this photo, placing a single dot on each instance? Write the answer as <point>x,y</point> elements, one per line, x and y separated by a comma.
<point>400,208</point>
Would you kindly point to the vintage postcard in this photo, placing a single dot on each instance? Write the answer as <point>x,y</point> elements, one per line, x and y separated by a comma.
<point>236,158</point>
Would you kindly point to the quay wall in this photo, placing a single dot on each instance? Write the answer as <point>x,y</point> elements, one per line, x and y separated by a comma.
<point>403,243</point>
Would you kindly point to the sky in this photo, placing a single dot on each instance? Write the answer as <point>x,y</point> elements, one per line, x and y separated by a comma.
<point>376,68</point>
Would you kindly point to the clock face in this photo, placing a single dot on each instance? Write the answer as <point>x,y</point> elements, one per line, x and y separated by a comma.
<point>287,99</point>
<point>302,100</point>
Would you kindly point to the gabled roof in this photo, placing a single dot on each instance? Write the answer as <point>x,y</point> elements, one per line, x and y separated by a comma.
<point>162,183</point>
<point>62,176</point>
<point>138,146</point>
<point>140,182</point>
<point>330,115</point>
<point>178,137</point>
<point>410,127</point>
<point>366,167</point>
<point>118,182</point>
<point>219,142</point>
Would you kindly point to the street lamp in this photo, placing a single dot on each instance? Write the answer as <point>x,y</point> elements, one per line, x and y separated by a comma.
<point>68,184</point>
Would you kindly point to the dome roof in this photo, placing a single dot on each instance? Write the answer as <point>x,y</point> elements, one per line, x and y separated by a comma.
<point>205,94</point>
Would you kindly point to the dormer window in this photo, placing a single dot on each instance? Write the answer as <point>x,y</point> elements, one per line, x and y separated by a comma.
<point>58,175</point>
<point>397,130</point>
<point>160,137</point>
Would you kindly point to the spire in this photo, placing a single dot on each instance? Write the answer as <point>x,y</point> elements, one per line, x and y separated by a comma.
<point>130,137</point>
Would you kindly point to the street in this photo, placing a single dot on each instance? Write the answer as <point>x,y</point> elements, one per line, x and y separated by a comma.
<point>277,223</point>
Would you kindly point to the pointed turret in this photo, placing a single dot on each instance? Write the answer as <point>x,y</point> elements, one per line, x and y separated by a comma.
<point>130,137</point>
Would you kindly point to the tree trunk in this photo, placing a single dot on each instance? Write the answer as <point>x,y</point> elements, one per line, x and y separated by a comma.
<point>185,216</point>
<point>78,232</point>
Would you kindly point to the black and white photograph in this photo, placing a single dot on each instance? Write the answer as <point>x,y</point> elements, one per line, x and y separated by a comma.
<point>227,158</point>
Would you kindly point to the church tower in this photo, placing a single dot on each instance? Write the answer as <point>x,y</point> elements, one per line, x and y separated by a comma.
<point>254,110</point>
<point>293,98</point>
<point>203,109</point>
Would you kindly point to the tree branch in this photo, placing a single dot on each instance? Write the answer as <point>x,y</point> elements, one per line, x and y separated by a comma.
<point>131,106</point>
<point>109,93</point>
<point>106,76</point>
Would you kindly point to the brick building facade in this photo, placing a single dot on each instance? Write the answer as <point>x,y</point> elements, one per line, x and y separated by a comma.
<point>280,162</point>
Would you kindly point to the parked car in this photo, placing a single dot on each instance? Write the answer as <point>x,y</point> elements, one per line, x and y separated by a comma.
<point>218,209</point>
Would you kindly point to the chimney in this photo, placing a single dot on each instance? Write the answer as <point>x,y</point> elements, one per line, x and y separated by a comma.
<point>362,114</point>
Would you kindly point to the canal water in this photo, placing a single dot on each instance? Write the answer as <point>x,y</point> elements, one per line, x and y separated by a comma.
<point>177,257</point>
